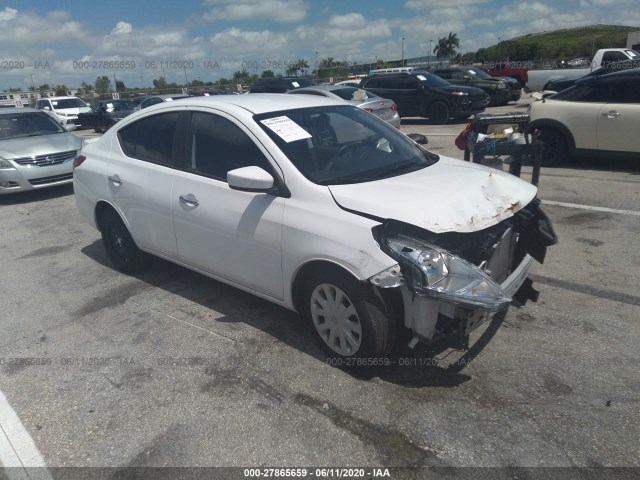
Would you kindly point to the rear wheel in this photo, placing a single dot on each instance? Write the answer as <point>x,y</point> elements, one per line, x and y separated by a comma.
<point>555,147</point>
<point>120,247</point>
<point>439,113</point>
<point>348,318</point>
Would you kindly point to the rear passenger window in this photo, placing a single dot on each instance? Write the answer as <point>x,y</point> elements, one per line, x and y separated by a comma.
<point>151,138</point>
<point>218,145</point>
<point>407,83</point>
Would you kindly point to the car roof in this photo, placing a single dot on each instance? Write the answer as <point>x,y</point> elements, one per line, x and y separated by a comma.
<point>11,110</point>
<point>167,95</point>
<point>257,103</point>
<point>630,72</point>
<point>66,97</point>
<point>328,88</point>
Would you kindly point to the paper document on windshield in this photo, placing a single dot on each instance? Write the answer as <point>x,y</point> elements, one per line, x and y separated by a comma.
<point>286,129</point>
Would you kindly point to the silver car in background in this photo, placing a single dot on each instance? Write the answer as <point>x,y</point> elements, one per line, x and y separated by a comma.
<point>35,150</point>
<point>381,107</point>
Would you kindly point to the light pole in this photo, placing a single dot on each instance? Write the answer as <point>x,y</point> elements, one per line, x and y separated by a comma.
<point>499,54</point>
<point>403,51</point>
<point>317,71</point>
<point>430,52</point>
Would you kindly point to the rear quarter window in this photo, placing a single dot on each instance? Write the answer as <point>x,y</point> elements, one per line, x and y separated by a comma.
<point>151,138</point>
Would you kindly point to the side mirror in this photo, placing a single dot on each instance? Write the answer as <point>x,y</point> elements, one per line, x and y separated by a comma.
<point>418,138</point>
<point>250,179</point>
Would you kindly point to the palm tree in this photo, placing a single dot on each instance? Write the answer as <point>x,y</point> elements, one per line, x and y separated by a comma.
<point>447,46</point>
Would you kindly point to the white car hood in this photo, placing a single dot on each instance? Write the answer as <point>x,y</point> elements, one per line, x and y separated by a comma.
<point>449,196</point>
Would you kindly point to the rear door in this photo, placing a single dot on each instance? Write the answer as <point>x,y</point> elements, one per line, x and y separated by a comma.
<point>412,94</point>
<point>141,178</point>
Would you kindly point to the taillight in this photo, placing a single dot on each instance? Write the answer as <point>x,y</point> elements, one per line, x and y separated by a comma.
<point>78,161</point>
<point>394,107</point>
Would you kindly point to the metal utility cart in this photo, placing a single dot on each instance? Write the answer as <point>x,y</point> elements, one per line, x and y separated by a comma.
<point>482,140</point>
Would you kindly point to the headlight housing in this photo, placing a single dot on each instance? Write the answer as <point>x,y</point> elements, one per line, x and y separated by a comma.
<point>5,164</point>
<point>460,94</point>
<point>432,271</point>
<point>501,85</point>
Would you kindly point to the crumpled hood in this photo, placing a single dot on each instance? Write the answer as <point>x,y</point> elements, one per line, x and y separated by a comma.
<point>449,196</point>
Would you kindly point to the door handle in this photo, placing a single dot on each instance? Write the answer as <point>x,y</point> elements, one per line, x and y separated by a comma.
<point>611,114</point>
<point>116,180</point>
<point>189,200</point>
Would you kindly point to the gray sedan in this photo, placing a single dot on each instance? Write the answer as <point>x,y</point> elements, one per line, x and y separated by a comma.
<point>35,150</point>
<point>372,103</point>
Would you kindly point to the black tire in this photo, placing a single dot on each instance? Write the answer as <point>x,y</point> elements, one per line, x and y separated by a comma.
<point>367,329</point>
<point>555,149</point>
<point>120,247</point>
<point>439,113</point>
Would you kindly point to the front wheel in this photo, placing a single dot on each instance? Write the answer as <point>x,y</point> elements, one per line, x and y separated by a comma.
<point>349,320</point>
<point>120,247</point>
<point>439,113</point>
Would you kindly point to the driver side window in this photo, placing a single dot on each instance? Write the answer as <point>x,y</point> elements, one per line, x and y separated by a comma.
<point>217,145</point>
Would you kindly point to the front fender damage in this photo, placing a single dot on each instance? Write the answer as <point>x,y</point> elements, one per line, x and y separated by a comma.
<point>504,252</point>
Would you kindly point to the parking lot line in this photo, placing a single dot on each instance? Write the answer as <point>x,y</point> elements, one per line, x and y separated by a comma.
<point>590,207</point>
<point>17,449</point>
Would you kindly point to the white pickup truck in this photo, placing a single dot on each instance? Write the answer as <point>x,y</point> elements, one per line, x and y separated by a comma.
<point>537,79</point>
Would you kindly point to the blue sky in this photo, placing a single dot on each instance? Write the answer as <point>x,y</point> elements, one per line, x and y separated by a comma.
<point>47,40</point>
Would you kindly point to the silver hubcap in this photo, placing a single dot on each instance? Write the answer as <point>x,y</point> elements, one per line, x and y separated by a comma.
<point>336,319</point>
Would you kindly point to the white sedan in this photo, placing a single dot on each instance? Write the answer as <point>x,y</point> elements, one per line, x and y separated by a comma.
<point>319,207</point>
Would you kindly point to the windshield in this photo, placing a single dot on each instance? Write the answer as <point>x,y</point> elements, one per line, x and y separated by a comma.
<point>114,105</point>
<point>17,125</point>
<point>431,80</point>
<point>343,144</point>
<point>478,73</point>
<point>68,103</point>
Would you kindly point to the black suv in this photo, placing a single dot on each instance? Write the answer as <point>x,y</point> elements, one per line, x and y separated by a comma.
<point>279,84</point>
<point>498,91</point>
<point>422,94</point>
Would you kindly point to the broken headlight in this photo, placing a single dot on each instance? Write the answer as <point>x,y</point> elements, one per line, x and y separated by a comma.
<point>430,270</point>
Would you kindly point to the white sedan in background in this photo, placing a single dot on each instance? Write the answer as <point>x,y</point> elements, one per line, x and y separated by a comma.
<point>380,107</point>
<point>317,206</point>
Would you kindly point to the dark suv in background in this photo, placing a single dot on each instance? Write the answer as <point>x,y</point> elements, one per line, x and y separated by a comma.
<point>279,84</point>
<point>423,94</point>
<point>498,91</point>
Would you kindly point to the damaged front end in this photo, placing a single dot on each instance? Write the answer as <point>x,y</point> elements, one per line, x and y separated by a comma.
<point>453,282</point>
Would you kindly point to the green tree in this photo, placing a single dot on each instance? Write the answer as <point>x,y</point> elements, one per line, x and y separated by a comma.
<point>61,90</point>
<point>159,83</point>
<point>268,74</point>
<point>102,85</point>
<point>120,87</point>
<point>240,76</point>
<point>86,87</point>
<point>447,46</point>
